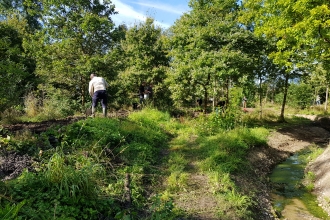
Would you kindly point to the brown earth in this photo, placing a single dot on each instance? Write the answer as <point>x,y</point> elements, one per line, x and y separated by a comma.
<point>281,144</point>
<point>198,199</point>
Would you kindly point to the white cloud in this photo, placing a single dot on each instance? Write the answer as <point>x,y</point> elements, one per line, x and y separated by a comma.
<point>164,7</point>
<point>128,15</point>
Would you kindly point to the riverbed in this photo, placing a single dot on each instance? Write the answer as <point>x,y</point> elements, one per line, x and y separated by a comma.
<point>292,199</point>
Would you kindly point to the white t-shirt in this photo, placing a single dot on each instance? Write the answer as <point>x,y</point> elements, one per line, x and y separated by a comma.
<point>97,83</point>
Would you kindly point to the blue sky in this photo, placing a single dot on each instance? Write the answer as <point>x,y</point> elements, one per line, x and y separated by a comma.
<point>165,12</point>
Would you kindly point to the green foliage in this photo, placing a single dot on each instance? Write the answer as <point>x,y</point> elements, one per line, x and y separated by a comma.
<point>209,50</point>
<point>177,181</point>
<point>218,152</point>
<point>10,210</point>
<point>31,104</point>
<point>146,60</point>
<point>85,176</point>
<point>309,179</point>
<point>23,142</point>
<point>300,95</point>
<point>226,151</point>
<point>61,197</point>
<point>73,182</point>
<point>163,208</point>
<point>11,115</point>
<point>96,133</point>
<point>53,106</point>
<point>240,203</point>
<point>15,67</point>
<point>296,29</point>
<point>79,26</point>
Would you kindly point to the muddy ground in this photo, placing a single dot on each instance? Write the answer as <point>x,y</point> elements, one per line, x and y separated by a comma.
<point>281,144</point>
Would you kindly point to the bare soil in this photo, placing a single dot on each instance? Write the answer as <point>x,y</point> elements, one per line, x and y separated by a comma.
<point>281,144</point>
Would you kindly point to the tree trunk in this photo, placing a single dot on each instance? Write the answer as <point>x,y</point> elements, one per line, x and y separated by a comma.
<point>227,92</point>
<point>214,95</point>
<point>326,99</point>
<point>83,91</point>
<point>260,96</point>
<point>284,97</point>
<point>205,99</point>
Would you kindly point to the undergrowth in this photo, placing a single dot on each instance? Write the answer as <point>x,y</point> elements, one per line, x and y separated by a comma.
<point>131,168</point>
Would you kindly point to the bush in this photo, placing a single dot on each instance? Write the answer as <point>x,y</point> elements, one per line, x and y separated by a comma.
<point>300,95</point>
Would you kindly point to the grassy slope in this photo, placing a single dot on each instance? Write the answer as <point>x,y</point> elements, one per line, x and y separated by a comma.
<point>148,166</point>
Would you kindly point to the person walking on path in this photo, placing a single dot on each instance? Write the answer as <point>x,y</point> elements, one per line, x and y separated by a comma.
<point>244,102</point>
<point>98,91</point>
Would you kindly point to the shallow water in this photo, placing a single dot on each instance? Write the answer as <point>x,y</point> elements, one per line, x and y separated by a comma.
<point>290,198</point>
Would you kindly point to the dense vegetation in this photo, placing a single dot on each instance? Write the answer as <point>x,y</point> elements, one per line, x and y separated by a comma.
<point>258,48</point>
<point>269,51</point>
<point>118,168</point>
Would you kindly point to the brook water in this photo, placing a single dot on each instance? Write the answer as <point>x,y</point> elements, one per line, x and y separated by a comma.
<point>291,199</point>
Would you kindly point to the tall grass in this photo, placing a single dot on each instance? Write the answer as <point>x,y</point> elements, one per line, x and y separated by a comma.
<point>54,106</point>
<point>31,104</point>
<point>148,157</point>
<point>72,181</point>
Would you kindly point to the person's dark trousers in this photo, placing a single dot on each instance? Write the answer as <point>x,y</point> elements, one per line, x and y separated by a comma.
<point>100,95</point>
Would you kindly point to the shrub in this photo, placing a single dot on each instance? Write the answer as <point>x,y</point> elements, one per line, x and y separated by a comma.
<point>31,103</point>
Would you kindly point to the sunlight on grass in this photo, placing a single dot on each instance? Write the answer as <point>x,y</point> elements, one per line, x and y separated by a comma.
<point>118,162</point>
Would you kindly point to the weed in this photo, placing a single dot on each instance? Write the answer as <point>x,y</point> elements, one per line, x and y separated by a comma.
<point>31,103</point>
<point>238,201</point>
<point>177,181</point>
<point>11,116</point>
<point>10,210</point>
<point>163,208</point>
<point>309,180</point>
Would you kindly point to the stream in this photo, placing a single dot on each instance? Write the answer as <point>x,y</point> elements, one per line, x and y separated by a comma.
<point>291,199</point>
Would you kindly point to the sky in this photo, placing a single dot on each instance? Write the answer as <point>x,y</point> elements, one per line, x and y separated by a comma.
<point>165,12</point>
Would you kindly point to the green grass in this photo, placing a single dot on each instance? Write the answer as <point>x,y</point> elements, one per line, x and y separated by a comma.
<point>152,153</point>
<point>88,168</point>
<point>217,151</point>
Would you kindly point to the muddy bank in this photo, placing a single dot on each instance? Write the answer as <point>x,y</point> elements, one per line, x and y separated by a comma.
<point>321,168</point>
<point>282,144</point>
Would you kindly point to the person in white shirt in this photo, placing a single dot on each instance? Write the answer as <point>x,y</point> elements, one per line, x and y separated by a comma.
<point>98,91</point>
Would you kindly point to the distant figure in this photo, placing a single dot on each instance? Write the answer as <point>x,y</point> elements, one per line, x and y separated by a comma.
<point>141,92</point>
<point>150,90</point>
<point>146,93</point>
<point>199,101</point>
<point>222,105</point>
<point>98,91</point>
<point>318,100</point>
<point>244,102</point>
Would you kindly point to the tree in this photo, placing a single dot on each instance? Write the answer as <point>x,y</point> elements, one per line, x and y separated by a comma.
<point>16,68</point>
<point>209,47</point>
<point>146,60</point>
<point>299,29</point>
<point>74,42</point>
<point>320,79</point>
<point>29,10</point>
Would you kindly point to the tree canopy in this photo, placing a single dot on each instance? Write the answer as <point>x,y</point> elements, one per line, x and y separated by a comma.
<point>208,47</point>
